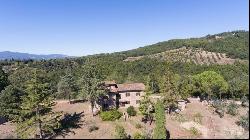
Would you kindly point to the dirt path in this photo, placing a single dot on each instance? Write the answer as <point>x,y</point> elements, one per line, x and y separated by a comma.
<point>176,131</point>
<point>212,126</point>
<point>7,130</point>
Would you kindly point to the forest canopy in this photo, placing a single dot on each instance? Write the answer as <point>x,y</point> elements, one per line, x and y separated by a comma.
<point>146,70</point>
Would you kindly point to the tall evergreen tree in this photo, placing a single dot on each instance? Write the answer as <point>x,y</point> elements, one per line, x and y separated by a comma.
<point>3,79</point>
<point>63,88</point>
<point>185,86</point>
<point>67,85</point>
<point>144,105</point>
<point>160,129</point>
<point>91,84</point>
<point>169,91</point>
<point>37,117</point>
<point>239,86</point>
<point>147,108</point>
<point>152,85</point>
<point>20,76</point>
<point>10,101</point>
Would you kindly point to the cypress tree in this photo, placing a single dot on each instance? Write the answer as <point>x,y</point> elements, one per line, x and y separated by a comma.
<point>160,129</point>
<point>169,91</point>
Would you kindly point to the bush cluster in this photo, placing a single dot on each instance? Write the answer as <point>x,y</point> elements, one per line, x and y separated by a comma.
<point>131,111</point>
<point>194,131</point>
<point>232,109</point>
<point>245,102</point>
<point>120,132</point>
<point>138,126</point>
<point>244,122</point>
<point>219,108</point>
<point>180,118</point>
<point>138,135</point>
<point>110,115</point>
<point>93,128</point>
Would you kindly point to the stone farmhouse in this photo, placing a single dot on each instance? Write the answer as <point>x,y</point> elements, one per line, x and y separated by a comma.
<point>122,95</point>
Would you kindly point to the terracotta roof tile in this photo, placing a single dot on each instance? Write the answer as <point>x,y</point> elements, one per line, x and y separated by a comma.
<point>131,87</point>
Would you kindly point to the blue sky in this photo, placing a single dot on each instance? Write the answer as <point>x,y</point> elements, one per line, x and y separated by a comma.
<point>82,27</point>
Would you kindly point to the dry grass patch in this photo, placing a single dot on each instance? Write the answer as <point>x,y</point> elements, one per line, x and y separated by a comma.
<point>179,118</point>
<point>197,117</point>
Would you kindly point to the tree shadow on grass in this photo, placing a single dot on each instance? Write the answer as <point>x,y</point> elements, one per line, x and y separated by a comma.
<point>3,120</point>
<point>69,121</point>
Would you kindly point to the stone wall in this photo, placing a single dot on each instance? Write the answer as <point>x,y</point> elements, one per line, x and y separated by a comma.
<point>132,98</point>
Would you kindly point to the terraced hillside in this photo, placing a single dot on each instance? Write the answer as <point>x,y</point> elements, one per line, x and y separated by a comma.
<point>184,54</point>
<point>234,44</point>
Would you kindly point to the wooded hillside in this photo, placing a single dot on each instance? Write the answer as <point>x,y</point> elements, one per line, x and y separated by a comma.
<point>234,45</point>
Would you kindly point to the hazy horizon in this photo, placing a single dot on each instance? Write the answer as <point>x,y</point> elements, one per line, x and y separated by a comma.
<point>79,28</point>
<point>100,52</point>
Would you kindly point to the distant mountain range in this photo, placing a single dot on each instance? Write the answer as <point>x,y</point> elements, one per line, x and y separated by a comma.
<point>24,56</point>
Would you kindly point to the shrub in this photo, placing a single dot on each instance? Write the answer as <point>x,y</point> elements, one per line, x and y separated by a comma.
<point>244,99</point>
<point>219,108</point>
<point>194,131</point>
<point>131,111</point>
<point>93,128</point>
<point>138,135</point>
<point>237,99</point>
<point>232,109</point>
<point>120,132</point>
<point>198,118</point>
<point>244,122</point>
<point>138,125</point>
<point>180,118</point>
<point>245,102</point>
<point>148,134</point>
<point>220,112</point>
<point>218,104</point>
<point>110,115</point>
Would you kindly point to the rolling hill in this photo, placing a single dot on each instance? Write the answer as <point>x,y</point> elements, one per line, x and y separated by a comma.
<point>24,56</point>
<point>208,53</point>
<point>234,44</point>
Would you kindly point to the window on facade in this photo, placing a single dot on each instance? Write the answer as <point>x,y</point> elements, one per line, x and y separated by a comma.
<point>137,101</point>
<point>118,96</point>
<point>128,102</point>
<point>127,94</point>
<point>138,94</point>
<point>122,104</point>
